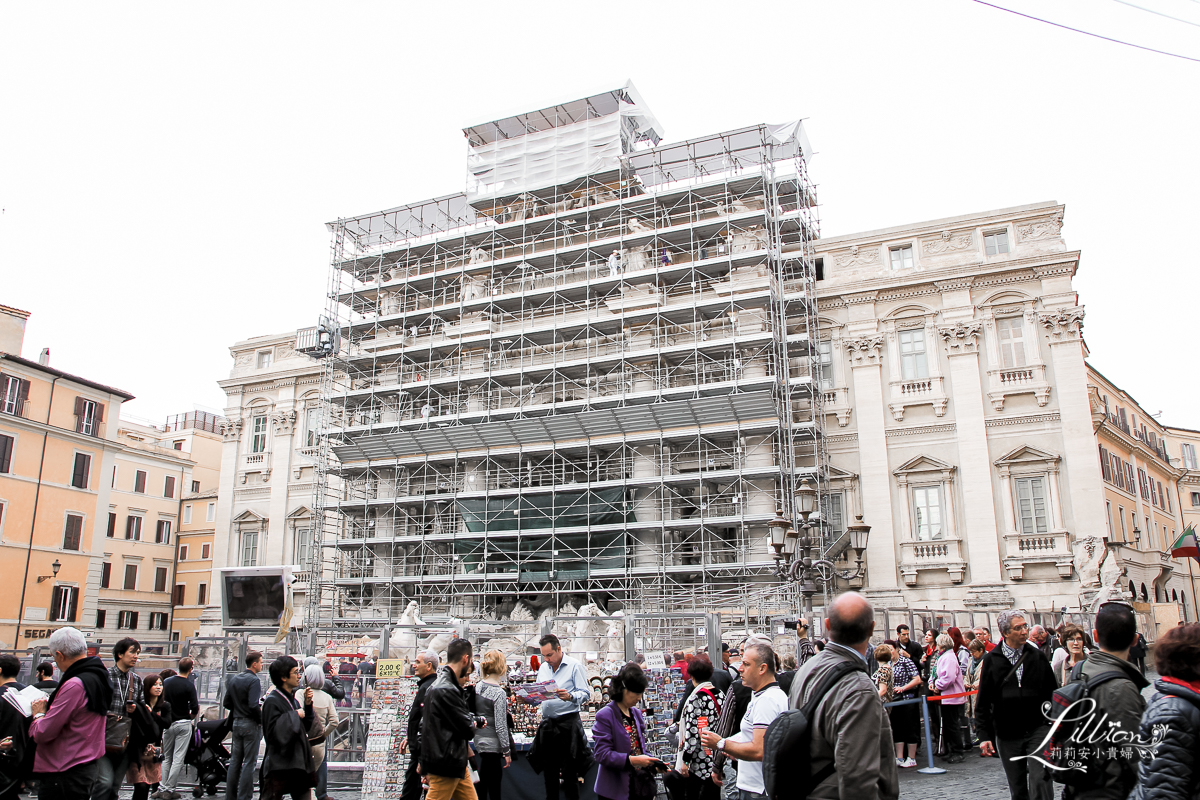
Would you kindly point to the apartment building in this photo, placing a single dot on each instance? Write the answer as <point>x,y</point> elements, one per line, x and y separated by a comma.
<point>194,562</point>
<point>1183,447</point>
<point>59,444</point>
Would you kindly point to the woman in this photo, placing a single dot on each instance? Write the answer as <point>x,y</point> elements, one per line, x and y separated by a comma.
<point>960,648</point>
<point>492,741</point>
<point>928,672</point>
<point>1170,773</point>
<point>145,738</point>
<point>701,711</point>
<point>619,734</point>
<point>326,722</point>
<point>906,719</point>
<point>883,677</point>
<point>1073,654</point>
<point>948,680</point>
<point>974,665</point>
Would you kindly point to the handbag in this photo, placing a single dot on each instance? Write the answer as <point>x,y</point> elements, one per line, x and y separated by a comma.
<point>117,728</point>
<point>642,785</point>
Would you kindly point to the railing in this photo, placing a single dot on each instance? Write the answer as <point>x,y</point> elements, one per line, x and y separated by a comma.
<point>195,420</point>
<point>927,551</point>
<point>916,387</point>
<point>1034,543</point>
<point>15,408</point>
<point>1015,376</point>
<point>256,461</point>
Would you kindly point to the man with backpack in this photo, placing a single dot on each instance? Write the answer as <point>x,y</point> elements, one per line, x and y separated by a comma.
<point>1015,680</point>
<point>850,751</point>
<point>1116,687</point>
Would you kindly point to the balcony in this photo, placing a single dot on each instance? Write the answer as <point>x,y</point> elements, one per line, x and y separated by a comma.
<point>918,392</point>
<point>1029,379</point>
<point>939,554</point>
<point>256,462</point>
<point>1053,547</point>
<point>837,401</point>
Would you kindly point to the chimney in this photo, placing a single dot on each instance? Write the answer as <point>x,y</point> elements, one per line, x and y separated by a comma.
<point>44,357</point>
<point>12,330</point>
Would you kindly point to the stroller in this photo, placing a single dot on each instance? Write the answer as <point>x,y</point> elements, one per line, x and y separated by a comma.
<point>208,755</point>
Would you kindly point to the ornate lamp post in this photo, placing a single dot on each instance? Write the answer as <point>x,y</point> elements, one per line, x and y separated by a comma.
<point>798,555</point>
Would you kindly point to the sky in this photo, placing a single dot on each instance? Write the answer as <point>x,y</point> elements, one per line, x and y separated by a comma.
<point>167,170</point>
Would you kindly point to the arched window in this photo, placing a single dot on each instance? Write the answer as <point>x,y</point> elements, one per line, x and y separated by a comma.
<point>1145,594</point>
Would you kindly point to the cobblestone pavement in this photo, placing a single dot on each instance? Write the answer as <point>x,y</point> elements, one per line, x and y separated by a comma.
<point>976,778</point>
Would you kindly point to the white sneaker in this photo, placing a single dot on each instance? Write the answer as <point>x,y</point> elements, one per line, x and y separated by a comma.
<point>909,763</point>
<point>899,762</point>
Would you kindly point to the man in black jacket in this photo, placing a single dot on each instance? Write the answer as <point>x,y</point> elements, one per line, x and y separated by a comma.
<point>447,725</point>
<point>241,698</point>
<point>1015,680</point>
<point>425,668</point>
<point>180,692</point>
<point>287,766</point>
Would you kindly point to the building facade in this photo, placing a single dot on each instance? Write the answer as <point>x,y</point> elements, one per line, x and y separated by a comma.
<point>1183,446</point>
<point>59,443</point>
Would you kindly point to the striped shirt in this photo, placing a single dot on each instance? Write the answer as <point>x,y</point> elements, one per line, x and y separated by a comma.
<point>766,704</point>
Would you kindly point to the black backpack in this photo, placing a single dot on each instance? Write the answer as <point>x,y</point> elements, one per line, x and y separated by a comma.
<point>1076,764</point>
<point>787,766</point>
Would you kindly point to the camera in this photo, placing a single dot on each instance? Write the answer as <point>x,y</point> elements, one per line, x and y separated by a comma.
<point>791,624</point>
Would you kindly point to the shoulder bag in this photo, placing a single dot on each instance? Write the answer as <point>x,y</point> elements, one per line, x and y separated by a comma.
<point>118,726</point>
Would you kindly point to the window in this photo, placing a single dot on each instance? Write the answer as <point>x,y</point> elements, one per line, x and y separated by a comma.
<point>6,450</point>
<point>1154,494</point>
<point>1108,518</point>
<point>187,514</point>
<point>169,486</point>
<point>177,597</point>
<point>912,355</point>
<point>178,445</point>
<point>1105,465</point>
<point>73,532</point>
<point>158,620</point>
<point>160,579</point>
<point>105,575</point>
<point>101,617</point>
<point>1031,506</point>
<point>835,513</point>
<point>139,481</point>
<point>112,525</point>
<point>1129,479</point>
<point>1188,451</point>
<point>16,395</point>
<point>1124,528</point>
<point>1012,341</point>
<point>133,528</point>
<point>1195,499</point>
<point>211,513</point>
<point>88,416</point>
<point>902,257</point>
<point>312,423</point>
<point>205,551</point>
<point>62,603</point>
<point>264,359</point>
<point>258,434</point>
<point>130,577</point>
<point>249,548</point>
<point>202,594</point>
<point>162,532</point>
<point>303,546</point>
<point>81,471</point>
<point>127,620</point>
<point>195,487</point>
<point>114,477</point>
<point>183,552</point>
<point>927,503</point>
<point>1144,482</point>
<point>995,243</point>
<point>825,360</point>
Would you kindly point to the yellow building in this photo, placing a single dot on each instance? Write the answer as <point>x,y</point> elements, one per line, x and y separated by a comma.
<point>58,446</point>
<point>1183,445</point>
<point>193,570</point>
<point>1142,506</point>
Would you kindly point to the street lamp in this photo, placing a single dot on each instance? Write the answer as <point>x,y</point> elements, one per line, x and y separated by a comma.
<point>806,499</point>
<point>55,567</point>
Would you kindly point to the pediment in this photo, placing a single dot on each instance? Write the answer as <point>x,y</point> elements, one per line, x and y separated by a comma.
<point>301,512</point>
<point>249,516</point>
<point>1026,455</point>
<point>923,464</point>
<point>839,474</point>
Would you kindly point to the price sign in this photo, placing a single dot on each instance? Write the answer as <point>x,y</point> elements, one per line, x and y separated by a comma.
<point>655,661</point>
<point>391,668</point>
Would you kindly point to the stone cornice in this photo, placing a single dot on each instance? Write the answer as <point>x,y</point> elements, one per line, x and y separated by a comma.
<point>842,438</point>
<point>923,430</point>
<point>1029,419</point>
<point>859,298</point>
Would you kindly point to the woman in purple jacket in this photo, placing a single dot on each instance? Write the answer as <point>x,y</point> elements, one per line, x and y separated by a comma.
<point>620,738</point>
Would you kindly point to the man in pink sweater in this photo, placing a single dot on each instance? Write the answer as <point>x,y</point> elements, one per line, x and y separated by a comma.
<point>69,728</point>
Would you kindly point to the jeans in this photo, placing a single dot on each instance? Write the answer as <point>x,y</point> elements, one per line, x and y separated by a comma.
<point>110,774</point>
<point>243,756</point>
<point>323,779</point>
<point>744,795</point>
<point>412,781</point>
<point>74,783</point>
<point>491,774</point>
<point>729,790</point>
<point>175,746</point>
<point>441,788</point>
<point>1026,779</point>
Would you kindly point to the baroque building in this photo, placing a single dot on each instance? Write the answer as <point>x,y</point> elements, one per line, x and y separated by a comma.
<point>955,386</point>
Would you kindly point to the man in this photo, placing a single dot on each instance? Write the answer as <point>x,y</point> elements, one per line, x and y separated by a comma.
<point>767,702</point>
<point>985,636</point>
<point>241,698</point>
<point>45,678</point>
<point>425,667</point>
<point>805,649</point>
<point>180,692</point>
<point>332,688</point>
<point>10,668</point>
<point>126,696</point>
<point>850,730</point>
<point>1015,680</point>
<point>680,663</point>
<point>1041,640</point>
<point>446,727</point>
<point>560,732</point>
<point>366,666</point>
<point>1137,653</point>
<point>1120,700</point>
<point>912,648</point>
<point>288,761</point>
<point>69,727</point>
<point>726,661</point>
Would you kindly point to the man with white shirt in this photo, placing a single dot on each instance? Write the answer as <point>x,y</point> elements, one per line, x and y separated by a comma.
<point>767,703</point>
<point>561,745</point>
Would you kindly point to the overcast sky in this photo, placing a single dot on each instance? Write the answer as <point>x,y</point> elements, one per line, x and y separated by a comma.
<point>166,169</point>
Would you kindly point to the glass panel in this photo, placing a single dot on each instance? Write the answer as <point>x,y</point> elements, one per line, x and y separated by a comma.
<point>1031,506</point>
<point>825,349</point>
<point>1002,242</point>
<point>927,501</point>
<point>912,355</point>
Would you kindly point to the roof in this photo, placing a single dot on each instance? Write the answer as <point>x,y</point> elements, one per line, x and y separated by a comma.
<point>16,312</point>
<point>60,374</point>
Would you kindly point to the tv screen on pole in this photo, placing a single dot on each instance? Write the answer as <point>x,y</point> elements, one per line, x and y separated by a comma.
<point>254,597</point>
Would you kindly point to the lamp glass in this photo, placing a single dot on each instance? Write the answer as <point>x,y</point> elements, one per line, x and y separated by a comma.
<point>806,497</point>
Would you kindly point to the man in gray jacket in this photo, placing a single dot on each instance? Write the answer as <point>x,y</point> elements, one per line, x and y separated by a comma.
<point>850,728</point>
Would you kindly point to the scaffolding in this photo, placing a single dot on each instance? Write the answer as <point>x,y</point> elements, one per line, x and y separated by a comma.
<point>591,377</point>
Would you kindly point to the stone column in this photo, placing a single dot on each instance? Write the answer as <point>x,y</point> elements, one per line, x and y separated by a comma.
<point>866,359</point>
<point>647,506</point>
<point>275,546</point>
<point>975,464</point>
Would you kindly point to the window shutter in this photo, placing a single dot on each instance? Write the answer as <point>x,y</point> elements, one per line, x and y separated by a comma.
<point>55,603</point>
<point>105,575</point>
<point>1105,467</point>
<point>79,401</point>
<point>23,390</point>
<point>74,606</point>
<point>133,620</point>
<point>129,527</point>
<point>6,448</point>
<point>169,486</point>
<point>99,412</point>
<point>112,524</point>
